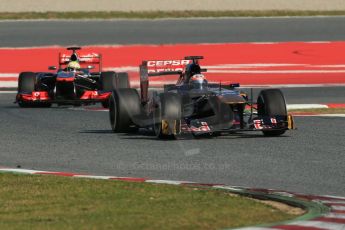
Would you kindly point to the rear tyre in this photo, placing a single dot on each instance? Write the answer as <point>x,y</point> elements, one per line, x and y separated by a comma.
<point>110,81</point>
<point>27,84</point>
<point>167,116</point>
<point>271,102</point>
<point>124,105</point>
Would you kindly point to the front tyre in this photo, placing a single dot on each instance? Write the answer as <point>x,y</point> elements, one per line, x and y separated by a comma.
<point>27,84</point>
<point>271,102</point>
<point>167,116</point>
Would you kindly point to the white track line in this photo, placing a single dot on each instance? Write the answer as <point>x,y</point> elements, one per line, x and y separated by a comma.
<point>335,215</point>
<point>8,92</point>
<point>20,170</point>
<point>3,75</point>
<point>331,115</point>
<point>306,106</point>
<point>319,224</point>
<point>168,182</point>
<point>8,84</point>
<point>94,177</point>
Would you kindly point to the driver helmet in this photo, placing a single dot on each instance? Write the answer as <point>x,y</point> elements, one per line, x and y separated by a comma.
<point>73,66</point>
<point>198,81</point>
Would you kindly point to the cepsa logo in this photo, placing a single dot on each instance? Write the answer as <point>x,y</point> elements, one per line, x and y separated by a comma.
<point>167,65</point>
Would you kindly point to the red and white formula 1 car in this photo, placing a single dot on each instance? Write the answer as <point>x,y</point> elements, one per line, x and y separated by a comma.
<point>70,85</point>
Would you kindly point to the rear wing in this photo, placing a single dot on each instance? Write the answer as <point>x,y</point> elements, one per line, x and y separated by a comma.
<point>86,59</point>
<point>168,67</point>
<point>162,67</point>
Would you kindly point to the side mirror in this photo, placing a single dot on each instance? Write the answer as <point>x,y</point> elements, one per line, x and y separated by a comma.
<point>90,67</point>
<point>52,67</point>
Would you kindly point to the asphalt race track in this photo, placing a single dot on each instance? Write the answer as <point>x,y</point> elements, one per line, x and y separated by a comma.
<point>44,33</point>
<point>308,160</point>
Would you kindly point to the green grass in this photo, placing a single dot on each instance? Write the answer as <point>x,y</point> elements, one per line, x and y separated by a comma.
<point>320,111</point>
<point>50,202</point>
<point>162,14</point>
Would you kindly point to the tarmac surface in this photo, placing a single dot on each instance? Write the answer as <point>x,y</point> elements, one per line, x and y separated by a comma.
<point>170,31</point>
<point>308,160</point>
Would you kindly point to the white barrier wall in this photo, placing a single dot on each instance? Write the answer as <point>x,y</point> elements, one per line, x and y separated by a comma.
<point>167,5</point>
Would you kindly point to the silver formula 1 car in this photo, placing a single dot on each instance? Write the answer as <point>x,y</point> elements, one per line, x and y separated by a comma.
<point>194,105</point>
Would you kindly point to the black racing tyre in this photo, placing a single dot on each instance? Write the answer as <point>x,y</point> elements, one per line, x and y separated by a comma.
<point>271,102</point>
<point>169,109</point>
<point>124,104</point>
<point>122,80</point>
<point>26,82</point>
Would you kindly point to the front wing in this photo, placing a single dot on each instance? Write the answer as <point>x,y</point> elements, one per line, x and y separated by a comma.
<point>43,97</point>
<point>257,124</point>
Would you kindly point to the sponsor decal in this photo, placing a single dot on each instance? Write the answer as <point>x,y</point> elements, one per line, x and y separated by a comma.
<point>95,95</point>
<point>167,65</point>
<point>258,124</point>
<point>269,123</point>
<point>34,96</point>
<point>202,128</point>
<point>90,58</point>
